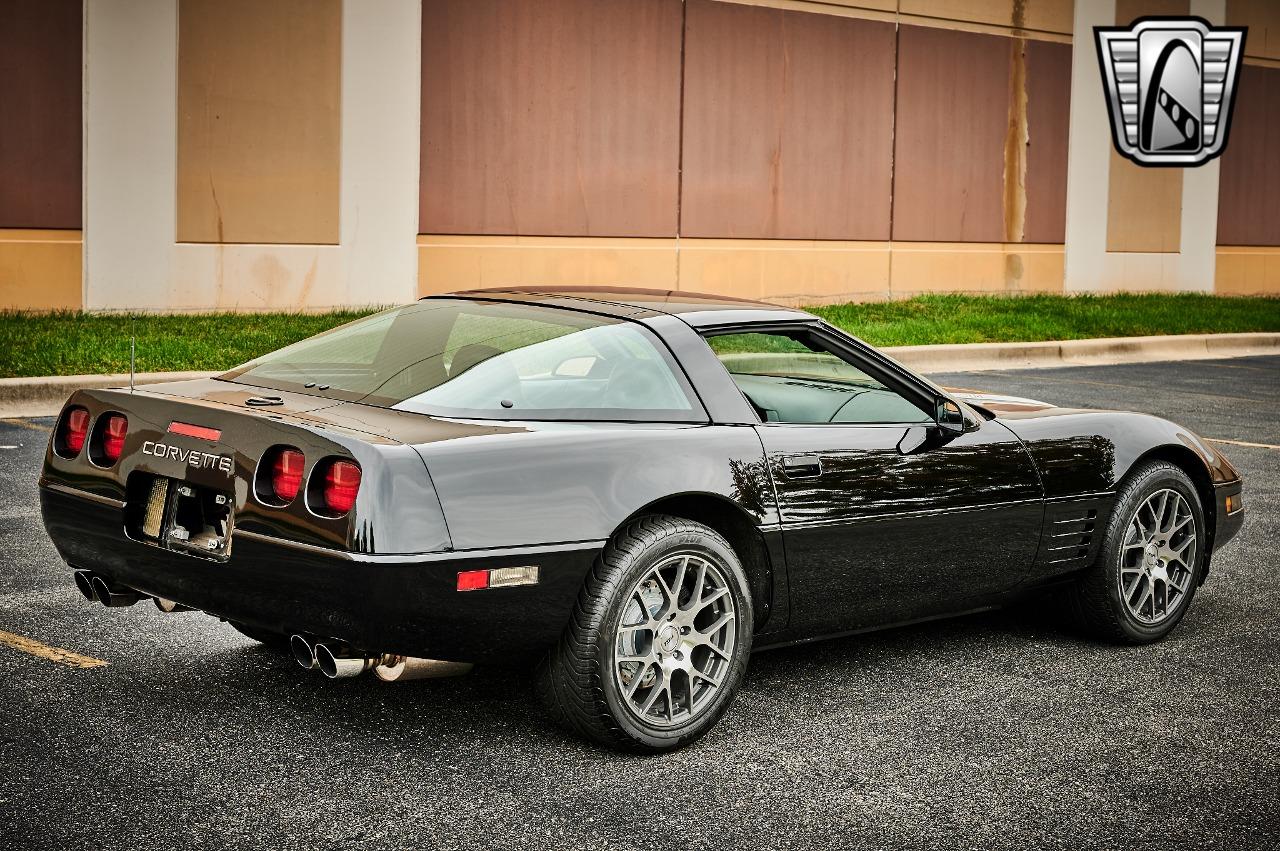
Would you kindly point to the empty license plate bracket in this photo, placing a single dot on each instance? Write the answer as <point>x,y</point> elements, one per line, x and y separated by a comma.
<point>180,516</point>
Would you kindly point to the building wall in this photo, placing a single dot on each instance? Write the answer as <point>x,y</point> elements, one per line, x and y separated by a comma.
<point>269,226</point>
<point>820,152</point>
<point>1248,244</point>
<point>259,121</point>
<point>40,144</point>
<point>304,154</point>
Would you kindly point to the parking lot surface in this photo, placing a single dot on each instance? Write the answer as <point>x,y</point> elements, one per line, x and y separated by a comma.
<point>1001,730</point>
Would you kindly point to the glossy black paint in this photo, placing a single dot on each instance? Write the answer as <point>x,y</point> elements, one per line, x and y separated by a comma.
<point>396,604</point>
<point>863,536</point>
<point>841,527</point>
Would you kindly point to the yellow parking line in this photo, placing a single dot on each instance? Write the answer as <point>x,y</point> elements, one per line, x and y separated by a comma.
<point>53,654</point>
<point>1242,443</point>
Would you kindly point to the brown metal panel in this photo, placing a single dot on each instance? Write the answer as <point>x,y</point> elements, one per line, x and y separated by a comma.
<point>259,120</point>
<point>1128,11</point>
<point>40,113</point>
<point>1044,15</point>
<point>1262,17</point>
<point>953,113</point>
<point>560,117</point>
<point>788,124</point>
<point>1249,180</point>
<point>1048,117</point>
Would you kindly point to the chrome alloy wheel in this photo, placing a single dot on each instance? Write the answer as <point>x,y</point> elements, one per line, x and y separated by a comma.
<point>1158,557</point>
<point>675,640</point>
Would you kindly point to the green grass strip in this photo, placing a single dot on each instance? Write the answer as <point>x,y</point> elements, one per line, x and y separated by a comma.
<point>68,343</point>
<point>929,319</point>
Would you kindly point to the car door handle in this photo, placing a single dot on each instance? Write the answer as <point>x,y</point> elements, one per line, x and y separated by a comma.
<point>802,466</point>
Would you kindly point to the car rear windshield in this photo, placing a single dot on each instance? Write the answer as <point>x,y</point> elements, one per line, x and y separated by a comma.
<point>487,360</point>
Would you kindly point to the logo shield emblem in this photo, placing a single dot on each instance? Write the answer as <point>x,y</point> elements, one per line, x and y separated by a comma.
<point>1170,85</point>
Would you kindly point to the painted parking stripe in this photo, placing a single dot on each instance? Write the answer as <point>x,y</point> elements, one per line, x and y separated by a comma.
<point>53,654</point>
<point>1242,443</point>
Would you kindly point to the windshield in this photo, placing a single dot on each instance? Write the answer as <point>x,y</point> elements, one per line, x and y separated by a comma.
<point>486,360</point>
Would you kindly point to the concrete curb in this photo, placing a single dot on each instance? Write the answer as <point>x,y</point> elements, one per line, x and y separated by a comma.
<point>977,357</point>
<point>41,397</point>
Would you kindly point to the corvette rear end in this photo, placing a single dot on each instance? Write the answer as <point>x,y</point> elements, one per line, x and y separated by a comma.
<point>242,503</point>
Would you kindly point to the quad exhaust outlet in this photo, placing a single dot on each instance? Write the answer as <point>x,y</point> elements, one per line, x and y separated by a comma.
<point>332,658</point>
<point>336,661</point>
<point>99,589</point>
<point>112,595</point>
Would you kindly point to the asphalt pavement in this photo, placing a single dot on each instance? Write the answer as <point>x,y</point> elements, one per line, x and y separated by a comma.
<point>1002,730</point>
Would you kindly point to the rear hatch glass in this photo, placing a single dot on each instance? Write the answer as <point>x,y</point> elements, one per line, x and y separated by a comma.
<point>487,360</point>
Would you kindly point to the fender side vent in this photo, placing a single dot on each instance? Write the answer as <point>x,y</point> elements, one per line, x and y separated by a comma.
<point>1069,535</point>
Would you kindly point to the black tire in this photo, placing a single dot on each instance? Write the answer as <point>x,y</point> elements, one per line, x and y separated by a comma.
<point>274,640</point>
<point>575,680</point>
<point>1095,602</point>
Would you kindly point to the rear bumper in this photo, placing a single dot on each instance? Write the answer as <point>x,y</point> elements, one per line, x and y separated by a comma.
<point>405,604</point>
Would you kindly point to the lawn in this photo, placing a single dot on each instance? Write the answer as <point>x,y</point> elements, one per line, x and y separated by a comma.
<point>67,343</point>
<point>999,319</point>
<point>77,343</point>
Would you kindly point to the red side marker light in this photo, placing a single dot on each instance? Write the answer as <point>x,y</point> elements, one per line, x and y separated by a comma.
<point>473,580</point>
<point>499,577</point>
<point>113,434</point>
<point>200,432</point>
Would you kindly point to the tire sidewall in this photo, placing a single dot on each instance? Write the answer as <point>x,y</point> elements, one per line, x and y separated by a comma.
<point>1160,477</point>
<point>705,544</point>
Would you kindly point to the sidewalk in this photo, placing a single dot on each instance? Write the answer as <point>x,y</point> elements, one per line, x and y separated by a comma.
<point>37,397</point>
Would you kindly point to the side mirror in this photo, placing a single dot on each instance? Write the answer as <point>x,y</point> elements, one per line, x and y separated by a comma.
<point>948,416</point>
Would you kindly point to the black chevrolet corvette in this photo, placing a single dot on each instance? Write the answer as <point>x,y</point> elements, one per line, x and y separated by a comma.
<point>632,488</point>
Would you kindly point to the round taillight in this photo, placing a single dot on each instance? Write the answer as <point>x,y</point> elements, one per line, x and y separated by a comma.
<point>341,484</point>
<point>114,428</point>
<point>286,474</point>
<point>72,433</point>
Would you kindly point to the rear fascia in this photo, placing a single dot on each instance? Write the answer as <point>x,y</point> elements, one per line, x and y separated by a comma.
<point>396,511</point>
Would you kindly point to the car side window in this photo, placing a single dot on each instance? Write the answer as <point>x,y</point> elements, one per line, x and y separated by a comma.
<point>792,377</point>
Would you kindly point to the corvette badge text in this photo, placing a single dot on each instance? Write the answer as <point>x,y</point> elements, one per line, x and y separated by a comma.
<point>192,457</point>
<point>1170,86</point>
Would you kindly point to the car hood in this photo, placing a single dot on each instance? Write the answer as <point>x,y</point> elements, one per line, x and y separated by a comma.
<point>1005,406</point>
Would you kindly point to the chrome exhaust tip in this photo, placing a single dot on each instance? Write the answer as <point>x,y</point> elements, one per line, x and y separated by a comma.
<point>169,606</point>
<point>392,669</point>
<point>84,584</point>
<point>304,651</point>
<point>113,596</point>
<point>339,664</point>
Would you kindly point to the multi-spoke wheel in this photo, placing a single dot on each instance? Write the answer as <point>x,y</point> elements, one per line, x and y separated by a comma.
<point>1150,561</point>
<point>675,642</point>
<point>659,639</point>
<point>1158,557</point>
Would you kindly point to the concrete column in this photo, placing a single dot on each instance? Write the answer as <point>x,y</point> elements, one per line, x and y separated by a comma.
<point>130,151</point>
<point>132,258</point>
<point>1090,267</point>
